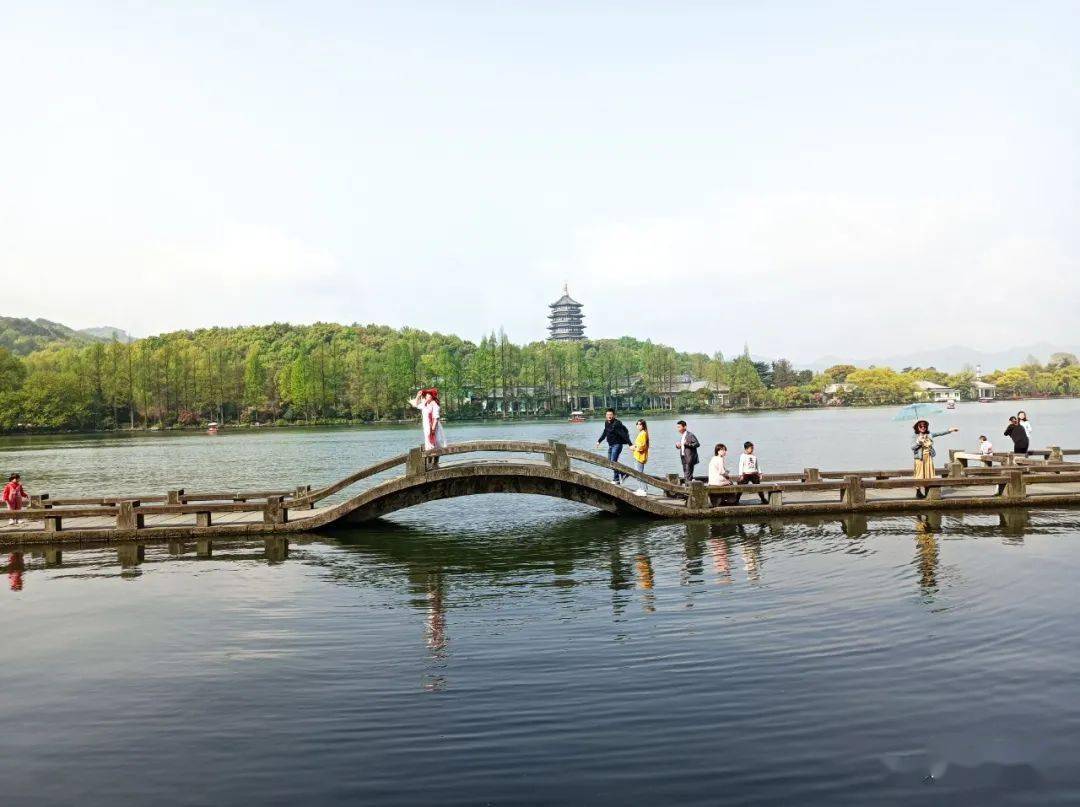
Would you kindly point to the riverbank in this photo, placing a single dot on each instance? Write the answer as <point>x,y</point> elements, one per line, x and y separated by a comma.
<point>473,419</point>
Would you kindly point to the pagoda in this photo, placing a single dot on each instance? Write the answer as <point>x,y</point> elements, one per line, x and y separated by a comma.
<point>567,322</point>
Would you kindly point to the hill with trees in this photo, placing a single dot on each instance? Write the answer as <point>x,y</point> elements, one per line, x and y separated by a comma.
<point>327,372</point>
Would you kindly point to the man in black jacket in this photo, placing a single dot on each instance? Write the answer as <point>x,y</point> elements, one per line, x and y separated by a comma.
<point>688,446</point>
<point>1019,435</point>
<point>617,436</point>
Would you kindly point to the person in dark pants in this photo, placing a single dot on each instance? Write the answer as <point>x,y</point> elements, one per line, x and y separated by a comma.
<point>749,471</point>
<point>1018,434</point>
<point>688,446</point>
<point>617,436</point>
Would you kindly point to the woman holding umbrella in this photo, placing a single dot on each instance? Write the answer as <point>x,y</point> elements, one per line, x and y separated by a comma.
<point>922,446</point>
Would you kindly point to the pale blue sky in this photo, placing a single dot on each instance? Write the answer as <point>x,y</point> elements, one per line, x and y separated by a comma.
<point>703,174</point>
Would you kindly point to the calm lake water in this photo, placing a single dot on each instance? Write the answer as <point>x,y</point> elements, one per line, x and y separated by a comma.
<point>523,650</point>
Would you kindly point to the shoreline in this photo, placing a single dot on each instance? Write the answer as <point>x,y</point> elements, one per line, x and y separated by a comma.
<point>595,415</point>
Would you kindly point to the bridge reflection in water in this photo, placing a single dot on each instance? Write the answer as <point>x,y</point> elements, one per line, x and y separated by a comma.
<point>435,568</point>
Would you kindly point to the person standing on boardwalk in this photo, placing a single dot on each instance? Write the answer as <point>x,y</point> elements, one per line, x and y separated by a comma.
<point>1022,417</point>
<point>617,436</point>
<point>749,471</point>
<point>641,453</point>
<point>1019,435</point>
<point>14,497</point>
<point>427,401</point>
<point>922,447</point>
<point>688,446</point>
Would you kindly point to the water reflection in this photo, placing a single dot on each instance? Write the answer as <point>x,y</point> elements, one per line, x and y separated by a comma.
<point>927,554</point>
<point>646,580</point>
<point>747,539</point>
<point>435,565</point>
<point>15,569</point>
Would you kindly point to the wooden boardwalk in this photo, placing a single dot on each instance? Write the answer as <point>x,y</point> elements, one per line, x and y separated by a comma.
<point>550,469</point>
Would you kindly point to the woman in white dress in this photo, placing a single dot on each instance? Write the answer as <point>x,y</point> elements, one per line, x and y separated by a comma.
<point>427,401</point>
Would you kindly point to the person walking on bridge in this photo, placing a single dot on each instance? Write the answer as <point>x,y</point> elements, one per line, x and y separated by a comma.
<point>427,401</point>
<point>617,436</point>
<point>641,454</point>
<point>922,447</point>
<point>688,446</point>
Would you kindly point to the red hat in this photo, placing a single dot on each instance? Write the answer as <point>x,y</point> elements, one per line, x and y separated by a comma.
<point>432,391</point>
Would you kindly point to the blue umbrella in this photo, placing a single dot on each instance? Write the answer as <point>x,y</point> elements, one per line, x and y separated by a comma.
<point>918,411</point>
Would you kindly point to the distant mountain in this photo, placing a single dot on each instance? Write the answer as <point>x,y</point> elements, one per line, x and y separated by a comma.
<point>108,333</point>
<point>23,336</point>
<point>953,358</point>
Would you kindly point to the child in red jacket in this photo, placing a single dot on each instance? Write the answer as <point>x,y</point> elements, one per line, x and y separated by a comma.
<point>14,496</point>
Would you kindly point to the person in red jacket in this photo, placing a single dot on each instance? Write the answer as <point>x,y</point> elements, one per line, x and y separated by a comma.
<point>14,496</point>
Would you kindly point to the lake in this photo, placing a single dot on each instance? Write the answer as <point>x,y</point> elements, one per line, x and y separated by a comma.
<point>523,650</point>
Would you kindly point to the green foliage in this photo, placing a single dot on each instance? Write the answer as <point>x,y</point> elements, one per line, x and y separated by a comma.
<point>746,381</point>
<point>838,373</point>
<point>879,385</point>
<point>327,372</point>
<point>24,336</point>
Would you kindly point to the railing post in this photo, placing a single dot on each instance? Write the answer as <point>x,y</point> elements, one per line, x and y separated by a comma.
<point>274,511</point>
<point>933,493</point>
<point>1015,488</point>
<point>174,496</point>
<point>126,516</point>
<point>674,480</point>
<point>415,465</point>
<point>776,498</point>
<point>302,492</point>
<point>204,519</point>
<point>1055,455</point>
<point>558,457</point>
<point>698,498</point>
<point>40,501</point>
<point>853,493</point>
<point>53,523</point>
<point>955,469</point>
<point>811,474</point>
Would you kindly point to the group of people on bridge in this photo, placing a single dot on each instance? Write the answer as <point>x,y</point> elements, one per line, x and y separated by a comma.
<point>922,445</point>
<point>616,435</point>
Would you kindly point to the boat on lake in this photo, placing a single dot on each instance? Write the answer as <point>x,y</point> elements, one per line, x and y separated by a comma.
<point>577,417</point>
<point>212,427</point>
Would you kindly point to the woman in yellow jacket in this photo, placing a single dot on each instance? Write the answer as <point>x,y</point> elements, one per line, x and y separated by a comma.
<point>641,453</point>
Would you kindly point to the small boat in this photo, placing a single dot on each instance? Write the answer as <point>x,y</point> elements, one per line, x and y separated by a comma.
<point>577,417</point>
<point>212,427</point>
<point>951,405</point>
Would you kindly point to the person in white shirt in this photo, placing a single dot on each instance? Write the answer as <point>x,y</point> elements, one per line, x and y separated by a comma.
<point>1022,417</point>
<point>718,474</point>
<point>749,471</point>
<point>985,446</point>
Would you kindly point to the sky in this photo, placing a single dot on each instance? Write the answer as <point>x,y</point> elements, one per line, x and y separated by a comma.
<point>808,178</point>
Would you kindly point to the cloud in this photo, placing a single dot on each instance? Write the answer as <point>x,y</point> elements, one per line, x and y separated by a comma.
<point>799,273</point>
<point>242,274</point>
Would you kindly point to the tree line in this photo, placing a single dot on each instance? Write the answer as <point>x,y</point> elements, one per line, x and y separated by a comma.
<point>335,373</point>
